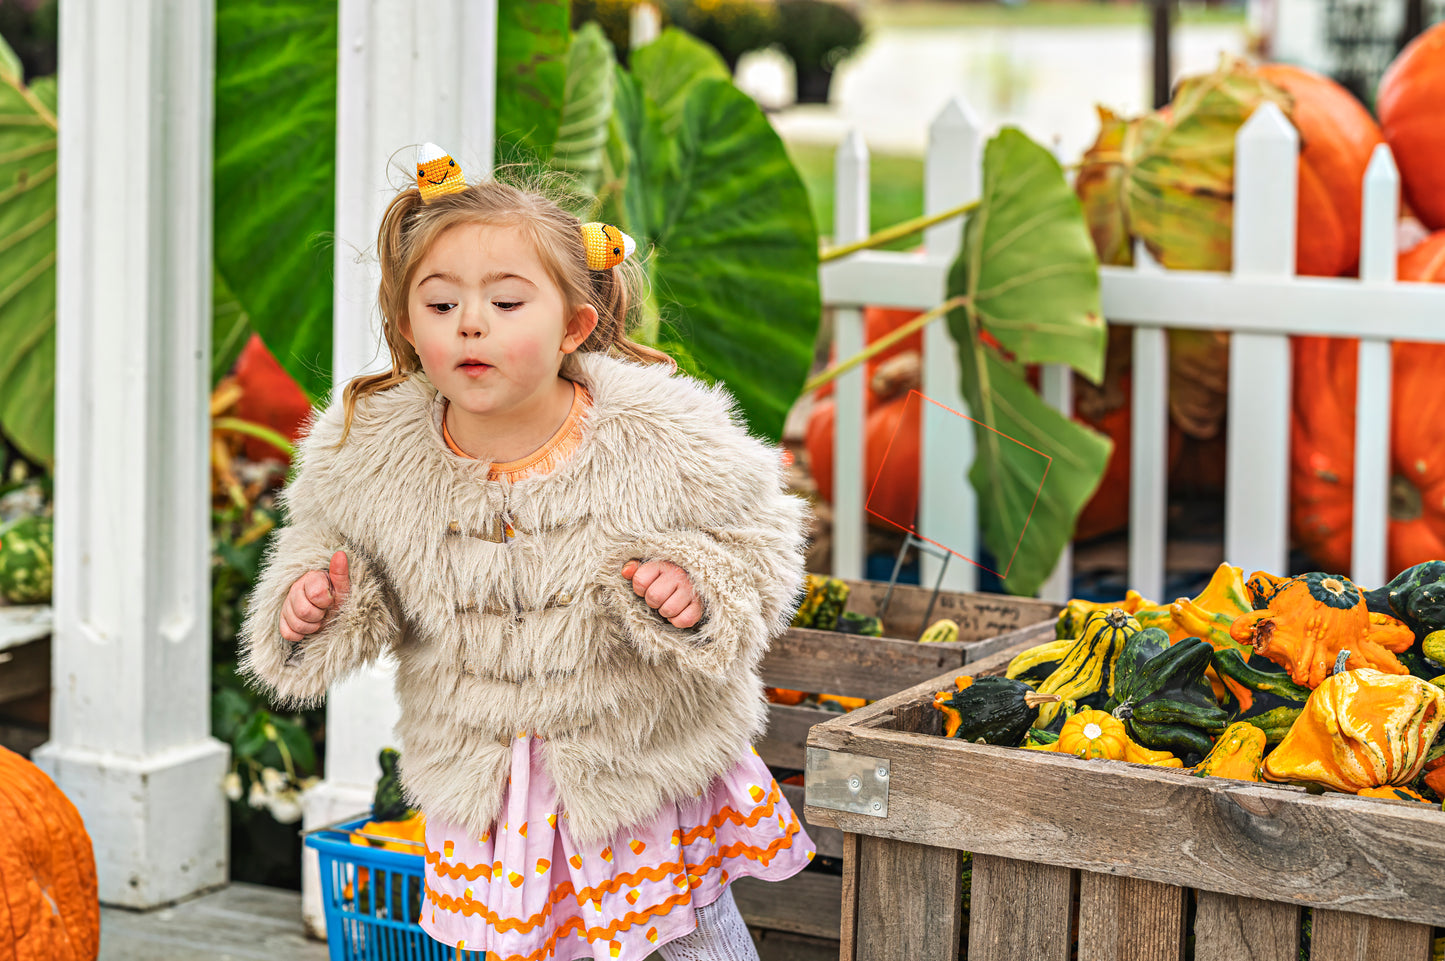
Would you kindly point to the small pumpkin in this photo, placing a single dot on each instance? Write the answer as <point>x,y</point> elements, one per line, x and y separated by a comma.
<point>1360,729</point>
<point>1411,105</point>
<point>1311,619</point>
<point>1394,793</point>
<point>49,903</point>
<point>1093,734</point>
<point>891,436</point>
<point>995,710</point>
<point>1088,667</point>
<point>1238,754</point>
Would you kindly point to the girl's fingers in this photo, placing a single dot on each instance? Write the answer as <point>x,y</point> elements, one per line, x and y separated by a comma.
<point>690,616</point>
<point>316,590</point>
<point>340,575</point>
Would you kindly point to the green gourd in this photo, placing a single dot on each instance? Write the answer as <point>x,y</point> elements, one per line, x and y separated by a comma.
<point>1036,664</point>
<point>994,710</point>
<point>1269,699</point>
<point>1162,696</point>
<point>1088,666</point>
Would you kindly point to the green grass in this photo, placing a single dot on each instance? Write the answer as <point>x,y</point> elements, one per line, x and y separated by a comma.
<point>895,188</point>
<point>919,14</point>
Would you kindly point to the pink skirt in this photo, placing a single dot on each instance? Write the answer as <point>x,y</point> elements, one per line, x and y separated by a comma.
<point>525,891</point>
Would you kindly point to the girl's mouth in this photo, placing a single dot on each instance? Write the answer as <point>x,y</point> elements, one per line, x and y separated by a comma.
<point>474,370</point>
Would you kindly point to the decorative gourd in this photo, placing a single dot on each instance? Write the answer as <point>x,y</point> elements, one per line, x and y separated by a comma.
<point>1093,734</point>
<point>1394,794</point>
<point>836,702</point>
<point>1088,667</point>
<point>1071,619</point>
<point>1322,440</point>
<point>49,905</point>
<point>783,695</point>
<point>1411,106</point>
<point>1037,663</point>
<point>1433,647</point>
<point>1139,754</point>
<point>943,631</point>
<point>1161,695</point>
<point>1261,587</point>
<point>1360,729</point>
<point>1261,693</point>
<point>823,604</point>
<point>27,553</point>
<point>851,622</point>
<point>1237,754</point>
<point>1311,619</point>
<point>1337,138</point>
<point>994,710</point>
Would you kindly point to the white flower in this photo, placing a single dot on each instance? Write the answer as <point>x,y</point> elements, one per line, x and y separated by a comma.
<point>258,797</point>
<point>232,786</point>
<point>274,780</point>
<point>286,808</point>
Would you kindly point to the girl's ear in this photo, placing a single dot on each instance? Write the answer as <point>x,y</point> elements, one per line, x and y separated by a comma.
<point>583,322</point>
<point>403,324</point>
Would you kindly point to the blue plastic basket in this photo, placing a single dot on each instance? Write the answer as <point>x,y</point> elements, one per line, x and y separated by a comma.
<point>374,919</point>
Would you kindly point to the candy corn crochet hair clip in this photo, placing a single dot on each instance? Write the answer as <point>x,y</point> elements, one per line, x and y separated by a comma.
<point>437,175</point>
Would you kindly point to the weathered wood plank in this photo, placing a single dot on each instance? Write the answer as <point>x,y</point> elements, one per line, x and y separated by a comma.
<point>25,670</point>
<point>1125,919</point>
<point>979,615</point>
<point>788,726</point>
<point>910,901</point>
<point>828,840</point>
<point>827,662</point>
<point>847,941</point>
<point>1020,910</point>
<point>1257,840</point>
<point>807,903</point>
<point>1230,928</point>
<point>1346,936</point>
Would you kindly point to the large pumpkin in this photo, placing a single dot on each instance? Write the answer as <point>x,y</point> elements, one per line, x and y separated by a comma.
<point>49,906</point>
<point>1322,449</point>
<point>1411,105</point>
<point>1337,138</point>
<point>892,493</point>
<point>878,321</point>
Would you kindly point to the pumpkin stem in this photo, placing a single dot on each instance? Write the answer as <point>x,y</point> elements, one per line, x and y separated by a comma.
<point>1340,660</point>
<point>1034,699</point>
<point>1263,631</point>
<point>1406,504</point>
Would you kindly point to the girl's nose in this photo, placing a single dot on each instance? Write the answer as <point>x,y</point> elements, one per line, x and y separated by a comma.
<point>470,322</point>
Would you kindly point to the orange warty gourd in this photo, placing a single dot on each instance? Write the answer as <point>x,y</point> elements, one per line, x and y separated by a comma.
<point>1322,441</point>
<point>1411,105</point>
<point>49,902</point>
<point>1337,137</point>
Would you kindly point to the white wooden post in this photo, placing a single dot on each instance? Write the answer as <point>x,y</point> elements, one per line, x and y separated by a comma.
<point>850,486</point>
<point>1149,442</point>
<point>1256,507</point>
<point>130,724</point>
<point>948,505</point>
<point>1372,404</point>
<point>644,25</point>
<point>1057,390</point>
<point>402,80</point>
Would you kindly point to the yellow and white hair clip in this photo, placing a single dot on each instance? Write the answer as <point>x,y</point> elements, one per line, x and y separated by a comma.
<point>437,174</point>
<point>606,246</point>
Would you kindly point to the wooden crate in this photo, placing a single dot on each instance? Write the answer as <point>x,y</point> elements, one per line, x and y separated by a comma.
<point>1111,854</point>
<point>827,662</point>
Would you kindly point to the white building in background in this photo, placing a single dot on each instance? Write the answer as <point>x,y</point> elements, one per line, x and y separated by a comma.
<point>1334,37</point>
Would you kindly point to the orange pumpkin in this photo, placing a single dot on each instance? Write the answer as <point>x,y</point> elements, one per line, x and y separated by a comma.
<point>1411,105</point>
<point>49,902</point>
<point>1337,138</point>
<point>1322,449</point>
<point>892,493</point>
<point>878,322</point>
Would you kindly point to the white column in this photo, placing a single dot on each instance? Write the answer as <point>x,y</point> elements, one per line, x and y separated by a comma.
<point>850,471</point>
<point>402,80</point>
<point>130,725</point>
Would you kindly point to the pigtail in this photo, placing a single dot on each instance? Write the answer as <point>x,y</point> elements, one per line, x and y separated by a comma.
<point>612,296</point>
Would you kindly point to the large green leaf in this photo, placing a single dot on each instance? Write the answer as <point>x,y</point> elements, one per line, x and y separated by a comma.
<point>1028,271</point>
<point>532,41</point>
<point>586,108</point>
<point>735,278</point>
<point>668,68</point>
<point>275,174</point>
<point>28,145</point>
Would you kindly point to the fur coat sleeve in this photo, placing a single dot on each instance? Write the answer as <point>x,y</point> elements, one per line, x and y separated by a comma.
<point>298,675</point>
<point>742,546</point>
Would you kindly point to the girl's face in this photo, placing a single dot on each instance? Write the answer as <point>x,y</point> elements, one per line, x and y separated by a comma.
<point>489,324</point>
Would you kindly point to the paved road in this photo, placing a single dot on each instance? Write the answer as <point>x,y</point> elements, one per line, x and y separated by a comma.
<point>1043,79</point>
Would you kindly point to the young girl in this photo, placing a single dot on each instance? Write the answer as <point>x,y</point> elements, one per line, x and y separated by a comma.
<point>577,558</point>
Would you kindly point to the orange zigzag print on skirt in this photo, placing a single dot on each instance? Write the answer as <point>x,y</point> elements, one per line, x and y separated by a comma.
<point>530,893</point>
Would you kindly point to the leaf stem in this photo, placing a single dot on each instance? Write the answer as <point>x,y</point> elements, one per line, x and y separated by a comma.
<point>896,232</point>
<point>237,426</point>
<point>884,342</point>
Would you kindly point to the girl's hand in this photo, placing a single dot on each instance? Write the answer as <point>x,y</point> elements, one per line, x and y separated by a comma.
<point>314,599</point>
<point>668,591</point>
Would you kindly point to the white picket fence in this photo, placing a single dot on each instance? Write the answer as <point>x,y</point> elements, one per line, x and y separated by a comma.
<point>1261,302</point>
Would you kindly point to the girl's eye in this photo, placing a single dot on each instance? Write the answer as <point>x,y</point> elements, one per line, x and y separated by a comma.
<point>507,304</point>
<point>442,308</point>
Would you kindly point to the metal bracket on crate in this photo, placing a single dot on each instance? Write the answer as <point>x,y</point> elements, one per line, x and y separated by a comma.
<point>924,547</point>
<point>847,782</point>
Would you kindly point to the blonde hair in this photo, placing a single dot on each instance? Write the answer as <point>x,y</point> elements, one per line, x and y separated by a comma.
<point>409,226</point>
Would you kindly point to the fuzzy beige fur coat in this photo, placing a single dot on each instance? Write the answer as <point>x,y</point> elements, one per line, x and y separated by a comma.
<point>543,634</point>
